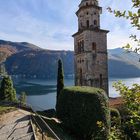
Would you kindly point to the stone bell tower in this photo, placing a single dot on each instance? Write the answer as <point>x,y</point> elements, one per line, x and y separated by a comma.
<point>90,46</point>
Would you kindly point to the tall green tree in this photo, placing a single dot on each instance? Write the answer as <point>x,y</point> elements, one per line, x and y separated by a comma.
<point>60,78</point>
<point>22,98</point>
<point>7,91</point>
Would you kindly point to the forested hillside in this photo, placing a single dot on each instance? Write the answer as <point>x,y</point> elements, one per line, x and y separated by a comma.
<point>28,60</point>
<point>39,63</point>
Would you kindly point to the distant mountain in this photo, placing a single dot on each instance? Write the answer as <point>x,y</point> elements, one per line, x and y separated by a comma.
<point>123,64</point>
<point>28,60</point>
<point>39,63</point>
<point>7,48</point>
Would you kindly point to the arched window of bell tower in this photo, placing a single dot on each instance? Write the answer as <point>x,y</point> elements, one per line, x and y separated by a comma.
<point>87,23</point>
<point>95,22</point>
<point>82,49</point>
<point>81,24</point>
<point>101,80</point>
<point>79,47</point>
<point>80,78</point>
<point>94,46</point>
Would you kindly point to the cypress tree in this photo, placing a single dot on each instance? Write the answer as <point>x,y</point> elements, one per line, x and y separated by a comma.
<point>60,78</point>
<point>7,91</point>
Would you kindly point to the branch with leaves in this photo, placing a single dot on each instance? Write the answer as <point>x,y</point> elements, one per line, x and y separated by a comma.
<point>131,100</point>
<point>134,18</point>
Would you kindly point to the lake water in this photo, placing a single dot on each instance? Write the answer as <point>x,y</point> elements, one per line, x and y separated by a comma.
<point>41,94</point>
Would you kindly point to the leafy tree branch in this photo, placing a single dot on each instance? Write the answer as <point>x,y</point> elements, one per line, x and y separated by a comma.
<point>133,16</point>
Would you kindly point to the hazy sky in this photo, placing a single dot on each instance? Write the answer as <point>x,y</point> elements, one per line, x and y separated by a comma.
<point>50,23</point>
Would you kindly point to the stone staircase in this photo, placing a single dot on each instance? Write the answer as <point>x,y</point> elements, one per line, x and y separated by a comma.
<point>17,127</point>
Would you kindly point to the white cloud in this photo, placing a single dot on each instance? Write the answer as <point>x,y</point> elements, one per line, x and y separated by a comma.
<point>50,24</point>
<point>117,41</point>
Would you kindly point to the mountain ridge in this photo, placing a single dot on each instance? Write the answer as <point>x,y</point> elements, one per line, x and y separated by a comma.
<point>28,60</point>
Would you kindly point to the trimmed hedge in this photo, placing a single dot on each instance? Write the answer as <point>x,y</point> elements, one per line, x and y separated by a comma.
<point>84,112</point>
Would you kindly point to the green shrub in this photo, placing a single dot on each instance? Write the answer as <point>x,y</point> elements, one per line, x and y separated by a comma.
<point>115,117</point>
<point>116,132</point>
<point>114,112</point>
<point>84,111</point>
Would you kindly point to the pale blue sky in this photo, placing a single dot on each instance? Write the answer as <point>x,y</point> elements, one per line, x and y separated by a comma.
<point>50,23</point>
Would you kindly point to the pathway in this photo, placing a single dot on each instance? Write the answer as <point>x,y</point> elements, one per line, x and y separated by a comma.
<point>16,125</point>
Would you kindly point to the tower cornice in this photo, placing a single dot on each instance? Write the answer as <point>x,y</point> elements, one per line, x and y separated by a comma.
<point>88,6</point>
<point>95,29</point>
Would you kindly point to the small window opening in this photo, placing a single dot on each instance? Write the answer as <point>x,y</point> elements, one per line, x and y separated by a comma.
<point>95,22</point>
<point>101,80</point>
<point>94,46</point>
<point>81,77</point>
<point>81,24</point>
<point>87,23</point>
<point>82,46</point>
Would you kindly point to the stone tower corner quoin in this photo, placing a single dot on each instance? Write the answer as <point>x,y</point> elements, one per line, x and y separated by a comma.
<point>90,47</point>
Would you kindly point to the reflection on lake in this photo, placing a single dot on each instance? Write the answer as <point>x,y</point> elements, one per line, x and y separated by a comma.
<point>41,94</point>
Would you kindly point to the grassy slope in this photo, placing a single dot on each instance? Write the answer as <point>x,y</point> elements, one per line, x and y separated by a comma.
<point>5,109</point>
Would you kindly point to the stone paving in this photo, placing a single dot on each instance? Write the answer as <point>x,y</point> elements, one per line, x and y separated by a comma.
<point>16,125</point>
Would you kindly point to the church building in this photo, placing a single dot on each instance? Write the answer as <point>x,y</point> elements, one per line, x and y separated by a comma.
<point>90,46</point>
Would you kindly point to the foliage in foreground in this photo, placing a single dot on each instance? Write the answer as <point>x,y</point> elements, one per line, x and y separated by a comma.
<point>84,112</point>
<point>131,96</point>
<point>131,107</point>
<point>7,91</point>
<point>115,117</point>
<point>116,132</point>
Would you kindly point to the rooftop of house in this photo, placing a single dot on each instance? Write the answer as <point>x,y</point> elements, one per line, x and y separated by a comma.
<point>115,102</point>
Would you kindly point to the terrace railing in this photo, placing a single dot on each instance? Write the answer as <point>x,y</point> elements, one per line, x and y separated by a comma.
<point>35,117</point>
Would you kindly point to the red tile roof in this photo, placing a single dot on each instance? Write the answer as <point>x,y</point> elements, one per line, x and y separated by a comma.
<point>115,102</point>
